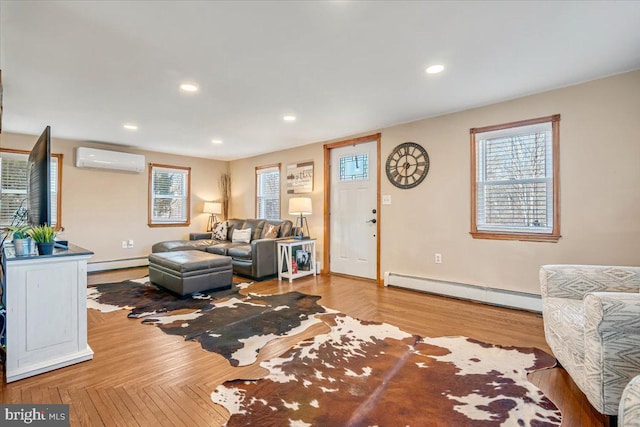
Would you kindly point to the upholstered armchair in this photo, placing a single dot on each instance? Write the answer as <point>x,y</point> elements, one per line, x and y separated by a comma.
<point>629,414</point>
<point>592,324</point>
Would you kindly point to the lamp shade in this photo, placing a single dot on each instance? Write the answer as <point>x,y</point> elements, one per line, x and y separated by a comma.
<point>300,206</point>
<point>212,207</point>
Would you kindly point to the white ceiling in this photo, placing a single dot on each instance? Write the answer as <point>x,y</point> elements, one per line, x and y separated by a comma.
<point>343,67</point>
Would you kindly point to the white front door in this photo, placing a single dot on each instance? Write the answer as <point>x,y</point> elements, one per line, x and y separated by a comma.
<point>354,178</point>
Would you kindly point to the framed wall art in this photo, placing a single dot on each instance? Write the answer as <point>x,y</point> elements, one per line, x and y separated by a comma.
<point>300,178</point>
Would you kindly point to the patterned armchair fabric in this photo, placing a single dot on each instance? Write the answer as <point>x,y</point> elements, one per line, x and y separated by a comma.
<point>592,324</point>
<point>629,414</point>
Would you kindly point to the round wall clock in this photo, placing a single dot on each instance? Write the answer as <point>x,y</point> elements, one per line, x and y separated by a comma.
<point>407,165</point>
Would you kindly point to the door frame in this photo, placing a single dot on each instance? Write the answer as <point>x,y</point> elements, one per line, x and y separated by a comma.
<point>326,257</point>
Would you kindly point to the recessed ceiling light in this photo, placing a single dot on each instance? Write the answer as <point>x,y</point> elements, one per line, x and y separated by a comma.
<point>289,118</point>
<point>130,126</point>
<point>189,87</point>
<point>435,69</point>
<point>216,141</point>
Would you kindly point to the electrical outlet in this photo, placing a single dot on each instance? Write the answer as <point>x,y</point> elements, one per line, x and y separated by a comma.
<point>438,259</point>
<point>124,244</point>
<point>130,243</point>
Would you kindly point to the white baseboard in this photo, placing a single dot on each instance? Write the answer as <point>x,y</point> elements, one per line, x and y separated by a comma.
<point>500,297</point>
<point>117,264</point>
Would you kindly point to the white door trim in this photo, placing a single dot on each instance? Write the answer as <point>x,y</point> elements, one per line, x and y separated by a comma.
<point>326,267</point>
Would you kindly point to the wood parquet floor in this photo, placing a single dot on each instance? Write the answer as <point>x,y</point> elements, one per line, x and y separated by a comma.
<point>140,376</point>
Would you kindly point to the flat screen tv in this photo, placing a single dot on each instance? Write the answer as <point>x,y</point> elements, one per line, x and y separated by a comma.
<point>39,179</point>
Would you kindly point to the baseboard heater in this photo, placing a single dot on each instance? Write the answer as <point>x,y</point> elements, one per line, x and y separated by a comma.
<point>499,297</point>
<point>116,264</point>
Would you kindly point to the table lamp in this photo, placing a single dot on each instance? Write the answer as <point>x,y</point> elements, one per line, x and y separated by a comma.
<point>300,206</point>
<point>212,208</point>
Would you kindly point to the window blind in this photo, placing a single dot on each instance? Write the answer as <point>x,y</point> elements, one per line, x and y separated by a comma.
<point>54,191</point>
<point>515,179</point>
<point>13,186</point>
<point>268,193</point>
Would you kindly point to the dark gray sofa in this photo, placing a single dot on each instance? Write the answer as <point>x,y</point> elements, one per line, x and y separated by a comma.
<point>257,260</point>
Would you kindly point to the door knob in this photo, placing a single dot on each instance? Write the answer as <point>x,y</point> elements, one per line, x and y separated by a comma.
<point>372,221</point>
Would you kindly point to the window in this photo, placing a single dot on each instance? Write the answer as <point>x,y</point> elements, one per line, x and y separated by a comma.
<point>268,192</point>
<point>169,195</point>
<point>514,189</point>
<point>354,168</point>
<point>13,186</point>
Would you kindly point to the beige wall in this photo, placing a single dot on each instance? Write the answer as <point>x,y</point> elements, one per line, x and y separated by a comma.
<point>599,196</point>
<point>101,208</point>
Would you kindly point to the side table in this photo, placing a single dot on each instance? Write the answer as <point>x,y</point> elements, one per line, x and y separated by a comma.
<point>285,256</point>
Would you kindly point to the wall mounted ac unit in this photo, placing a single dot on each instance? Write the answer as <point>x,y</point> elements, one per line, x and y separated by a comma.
<point>105,159</point>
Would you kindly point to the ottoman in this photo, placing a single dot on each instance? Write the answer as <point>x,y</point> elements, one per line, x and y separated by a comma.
<point>186,272</point>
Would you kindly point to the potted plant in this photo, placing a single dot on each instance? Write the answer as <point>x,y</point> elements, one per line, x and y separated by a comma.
<point>44,236</point>
<point>21,239</point>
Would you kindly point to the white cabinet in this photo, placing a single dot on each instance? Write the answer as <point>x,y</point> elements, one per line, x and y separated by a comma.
<point>46,302</point>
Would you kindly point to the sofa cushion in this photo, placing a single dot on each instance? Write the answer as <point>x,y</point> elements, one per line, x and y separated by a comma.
<point>270,231</point>
<point>256,225</point>
<point>240,252</point>
<point>286,227</point>
<point>220,231</point>
<point>217,249</point>
<point>181,245</point>
<point>221,248</point>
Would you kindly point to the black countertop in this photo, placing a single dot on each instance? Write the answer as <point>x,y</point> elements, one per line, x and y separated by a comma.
<point>73,250</point>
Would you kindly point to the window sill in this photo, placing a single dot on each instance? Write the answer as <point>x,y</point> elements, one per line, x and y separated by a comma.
<point>176,224</point>
<point>524,237</point>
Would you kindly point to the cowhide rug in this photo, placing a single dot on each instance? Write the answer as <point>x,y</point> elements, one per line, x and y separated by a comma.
<point>359,374</point>
<point>365,374</point>
<point>227,323</point>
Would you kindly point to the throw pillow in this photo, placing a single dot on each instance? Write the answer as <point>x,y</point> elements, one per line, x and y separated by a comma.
<point>220,230</point>
<point>241,236</point>
<point>270,231</point>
